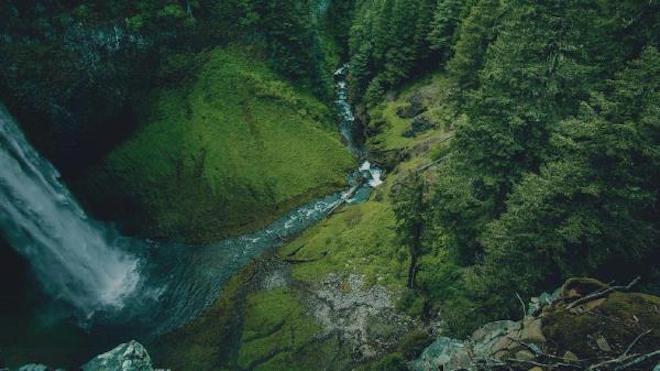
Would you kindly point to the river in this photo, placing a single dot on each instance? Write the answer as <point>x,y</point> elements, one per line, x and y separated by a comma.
<point>116,287</point>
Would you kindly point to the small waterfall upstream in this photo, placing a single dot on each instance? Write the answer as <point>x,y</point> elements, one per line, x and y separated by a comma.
<point>130,288</point>
<point>76,259</point>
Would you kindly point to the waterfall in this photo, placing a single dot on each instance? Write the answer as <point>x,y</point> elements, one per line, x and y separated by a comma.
<point>141,288</point>
<point>75,259</point>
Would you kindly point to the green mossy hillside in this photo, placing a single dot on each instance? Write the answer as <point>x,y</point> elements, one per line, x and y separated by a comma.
<point>358,239</point>
<point>221,153</point>
<point>275,328</point>
<point>391,123</point>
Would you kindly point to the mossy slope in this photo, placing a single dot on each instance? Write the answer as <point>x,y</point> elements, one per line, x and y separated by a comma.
<point>276,327</point>
<point>225,152</point>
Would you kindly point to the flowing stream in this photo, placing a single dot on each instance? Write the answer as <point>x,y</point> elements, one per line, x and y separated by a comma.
<point>134,287</point>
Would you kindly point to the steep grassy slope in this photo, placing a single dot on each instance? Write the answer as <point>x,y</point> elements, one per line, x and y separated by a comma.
<point>223,153</point>
<point>270,316</point>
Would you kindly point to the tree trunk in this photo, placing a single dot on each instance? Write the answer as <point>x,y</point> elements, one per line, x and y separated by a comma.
<point>414,251</point>
<point>412,270</point>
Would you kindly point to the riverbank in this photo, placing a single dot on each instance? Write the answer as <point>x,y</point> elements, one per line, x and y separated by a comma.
<point>335,295</point>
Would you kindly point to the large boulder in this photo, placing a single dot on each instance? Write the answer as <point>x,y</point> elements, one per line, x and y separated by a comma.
<point>583,321</point>
<point>131,356</point>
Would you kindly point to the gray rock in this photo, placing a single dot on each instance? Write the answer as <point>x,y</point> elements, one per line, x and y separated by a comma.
<point>443,354</point>
<point>415,107</point>
<point>34,367</point>
<point>536,303</point>
<point>131,356</point>
<point>363,315</point>
<point>419,125</point>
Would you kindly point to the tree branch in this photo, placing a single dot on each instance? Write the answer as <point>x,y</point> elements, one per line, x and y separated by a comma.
<point>602,293</point>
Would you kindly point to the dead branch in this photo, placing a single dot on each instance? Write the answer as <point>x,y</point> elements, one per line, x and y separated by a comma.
<point>539,353</point>
<point>634,342</point>
<point>544,365</point>
<point>602,293</point>
<point>522,304</point>
<point>639,359</point>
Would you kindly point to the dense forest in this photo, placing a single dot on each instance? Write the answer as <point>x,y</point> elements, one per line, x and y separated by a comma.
<point>520,142</point>
<point>554,171</point>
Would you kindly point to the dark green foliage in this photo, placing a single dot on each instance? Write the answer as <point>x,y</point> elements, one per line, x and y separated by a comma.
<point>391,362</point>
<point>103,56</point>
<point>534,76</point>
<point>409,210</point>
<point>389,44</point>
<point>593,208</point>
<point>554,171</point>
<point>476,32</point>
<point>443,29</point>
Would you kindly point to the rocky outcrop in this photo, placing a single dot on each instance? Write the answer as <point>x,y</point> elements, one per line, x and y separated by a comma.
<point>364,316</point>
<point>584,325</point>
<point>79,100</point>
<point>131,356</point>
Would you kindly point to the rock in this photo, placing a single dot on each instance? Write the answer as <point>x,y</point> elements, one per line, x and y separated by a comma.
<point>580,286</point>
<point>419,125</point>
<point>362,315</point>
<point>535,368</point>
<point>525,355</point>
<point>443,354</point>
<point>415,107</point>
<point>131,356</point>
<point>603,345</point>
<point>571,356</point>
<point>545,299</point>
<point>493,338</point>
<point>531,331</point>
<point>554,330</point>
<point>34,367</point>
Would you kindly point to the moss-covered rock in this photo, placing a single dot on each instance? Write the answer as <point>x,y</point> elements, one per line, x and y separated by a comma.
<point>220,154</point>
<point>615,328</point>
<point>615,320</point>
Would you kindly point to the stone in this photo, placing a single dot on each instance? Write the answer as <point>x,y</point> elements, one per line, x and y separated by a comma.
<point>603,344</point>
<point>532,331</point>
<point>443,354</point>
<point>580,286</point>
<point>493,337</point>
<point>543,300</point>
<point>415,107</point>
<point>570,356</point>
<point>525,355</point>
<point>131,356</point>
<point>34,367</point>
<point>419,125</point>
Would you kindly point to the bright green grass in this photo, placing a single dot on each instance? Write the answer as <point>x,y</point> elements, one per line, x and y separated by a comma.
<point>278,332</point>
<point>435,89</point>
<point>359,239</point>
<point>276,325</point>
<point>225,153</point>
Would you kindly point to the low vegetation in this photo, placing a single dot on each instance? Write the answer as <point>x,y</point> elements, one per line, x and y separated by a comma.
<point>223,152</point>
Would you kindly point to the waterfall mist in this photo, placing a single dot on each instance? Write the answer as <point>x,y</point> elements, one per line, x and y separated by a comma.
<point>76,259</point>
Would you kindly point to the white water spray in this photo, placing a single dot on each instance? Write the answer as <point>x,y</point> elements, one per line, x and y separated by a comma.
<point>75,259</point>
